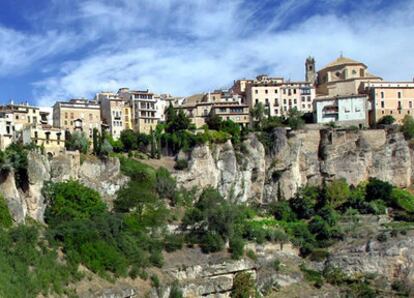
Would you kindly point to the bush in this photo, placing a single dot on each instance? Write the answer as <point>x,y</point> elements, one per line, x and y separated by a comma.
<point>243,286</point>
<point>378,190</point>
<point>165,184</point>
<point>212,242</point>
<point>337,192</point>
<point>77,141</point>
<point>387,120</point>
<point>250,253</point>
<point>276,265</point>
<point>155,281</point>
<point>176,291</point>
<point>71,200</point>
<point>408,127</point>
<point>402,199</point>
<point>282,211</point>
<point>173,242</point>
<point>236,247</point>
<point>311,276</point>
<point>304,202</point>
<point>6,220</point>
<point>318,255</point>
<point>181,164</point>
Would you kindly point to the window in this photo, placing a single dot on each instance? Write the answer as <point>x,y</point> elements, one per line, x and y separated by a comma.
<point>303,106</point>
<point>58,138</point>
<point>294,91</point>
<point>66,115</point>
<point>284,101</point>
<point>399,94</point>
<point>294,100</point>
<point>257,101</point>
<point>399,105</point>
<point>276,102</point>
<point>256,91</point>
<point>410,104</point>
<point>90,117</point>
<point>382,104</point>
<point>382,94</point>
<point>71,116</point>
<point>309,98</point>
<point>267,101</point>
<point>47,137</point>
<point>275,90</point>
<point>276,111</point>
<point>266,91</point>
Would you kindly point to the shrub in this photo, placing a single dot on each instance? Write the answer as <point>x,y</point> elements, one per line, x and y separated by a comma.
<point>165,184</point>
<point>337,192</point>
<point>408,127</point>
<point>382,237</point>
<point>6,220</point>
<point>376,207</point>
<point>236,247</point>
<point>175,291</point>
<point>276,265</point>
<point>155,281</point>
<point>304,202</point>
<point>173,242</point>
<point>181,164</point>
<point>378,190</point>
<point>402,199</point>
<point>250,253</point>
<point>212,242</point>
<point>318,255</point>
<point>311,276</point>
<point>71,200</point>
<point>387,120</point>
<point>243,286</point>
<point>282,211</point>
<point>77,141</point>
<point>156,258</point>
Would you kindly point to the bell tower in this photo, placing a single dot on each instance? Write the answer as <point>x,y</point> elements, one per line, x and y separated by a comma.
<point>310,70</point>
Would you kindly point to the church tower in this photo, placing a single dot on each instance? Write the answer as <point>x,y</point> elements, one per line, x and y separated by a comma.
<point>310,70</point>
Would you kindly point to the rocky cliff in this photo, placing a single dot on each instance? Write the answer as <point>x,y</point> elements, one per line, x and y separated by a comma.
<point>102,175</point>
<point>297,158</point>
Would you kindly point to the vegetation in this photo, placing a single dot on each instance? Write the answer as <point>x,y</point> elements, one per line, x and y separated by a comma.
<point>244,286</point>
<point>77,141</point>
<point>5,218</point>
<point>386,120</point>
<point>408,127</point>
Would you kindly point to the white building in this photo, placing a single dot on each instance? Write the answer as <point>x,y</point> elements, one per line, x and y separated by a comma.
<point>343,110</point>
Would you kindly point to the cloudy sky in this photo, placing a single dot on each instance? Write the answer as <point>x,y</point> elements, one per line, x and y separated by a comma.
<point>58,49</point>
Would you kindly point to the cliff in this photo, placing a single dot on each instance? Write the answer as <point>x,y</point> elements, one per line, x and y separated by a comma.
<point>298,158</point>
<point>102,175</point>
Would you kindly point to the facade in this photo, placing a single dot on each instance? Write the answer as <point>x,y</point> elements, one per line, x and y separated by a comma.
<point>50,138</point>
<point>390,98</point>
<point>143,110</point>
<point>6,129</point>
<point>77,115</point>
<point>310,70</point>
<point>22,114</point>
<point>112,112</point>
<point>344,110</point>
<point>278,96</point>
<point>343,76</point>
<point>224,103</point>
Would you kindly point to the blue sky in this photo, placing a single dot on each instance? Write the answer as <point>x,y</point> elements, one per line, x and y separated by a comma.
<point>58,49</point>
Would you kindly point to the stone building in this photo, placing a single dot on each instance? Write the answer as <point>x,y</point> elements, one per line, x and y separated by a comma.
<point>344,110</point>
<point>112,112</point>
<point>143,110</point>
<point>389,98</point>
<point>77,115</point>
<point>343,76</point>
<point>51,139</point>
<point>279,96</point>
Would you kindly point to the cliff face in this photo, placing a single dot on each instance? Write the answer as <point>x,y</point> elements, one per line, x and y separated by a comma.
<point>299,158</point>
<point>103,176</point>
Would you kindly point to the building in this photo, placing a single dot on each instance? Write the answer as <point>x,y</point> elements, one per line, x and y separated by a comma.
<point>344,110</point>
<point>310,70</point>
<point>343,76</point>
<point>51,139</point>
<point>238,113</point>
<point>22,114</point>
<point>143,109</point>
<point>279,96</point>
<point>162,103</point>
<point>112,112</point>
<point>6,129</point>
<point>224,103</point>
<point>389,98</point>
<point>77,115</point>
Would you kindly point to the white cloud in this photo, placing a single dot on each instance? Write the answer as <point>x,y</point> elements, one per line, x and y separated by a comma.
<point>190,46</point>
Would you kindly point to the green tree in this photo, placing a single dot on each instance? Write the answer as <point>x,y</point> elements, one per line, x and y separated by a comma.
<point>304,202</point>
<point>387,120</point>
<point>258,114</point>
<point>78,141</point>
<point>214,121</point>
<point>243,286</point>
<point>378,190</point>
<point>337,192</point>
<point>129,139</point>
<point>105,148</point>
<point>408,127</point>
<point>295,120</point>
<point>96,141</point>
<point>71,200</point>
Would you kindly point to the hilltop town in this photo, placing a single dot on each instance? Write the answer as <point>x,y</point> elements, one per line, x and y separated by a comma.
<point>343,94</point>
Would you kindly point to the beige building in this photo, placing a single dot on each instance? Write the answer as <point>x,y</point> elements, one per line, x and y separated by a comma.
<point>112,112</point>
<point>143,110</point>
<point>343,76</point>
<point>44,135</point>
<point>22,114</point>
<point>224,103</point>
<point>6,129</point>
<point>390,98</point>
<point>77,115</point>
<point>279,96</point>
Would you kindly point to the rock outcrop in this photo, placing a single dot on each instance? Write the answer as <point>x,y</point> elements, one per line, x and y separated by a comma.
<point>103,176</point>
<point>298,158</point>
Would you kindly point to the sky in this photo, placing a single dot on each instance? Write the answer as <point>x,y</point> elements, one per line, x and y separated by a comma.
<point>60,49</point>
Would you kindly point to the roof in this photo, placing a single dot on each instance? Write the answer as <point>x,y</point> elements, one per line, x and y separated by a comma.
<point>341,60</point>
<point>328,97</point>
<point>193,99</point>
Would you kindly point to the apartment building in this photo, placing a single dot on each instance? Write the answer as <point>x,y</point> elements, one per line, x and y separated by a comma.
<point>51,139</point>
<point>224,103</point>
<point>390,98</point>
<point>22,114</point>
<point>343,76</point>
<point>279,96</point>
<point>112,112</point>
<point>345,110</point>
<point>162,103</point>
<point>143,110</point>
<point>77,115</point>
<point>6,129</point>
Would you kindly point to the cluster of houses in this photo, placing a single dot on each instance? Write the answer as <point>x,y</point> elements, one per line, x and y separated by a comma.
<point>344,92</point>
